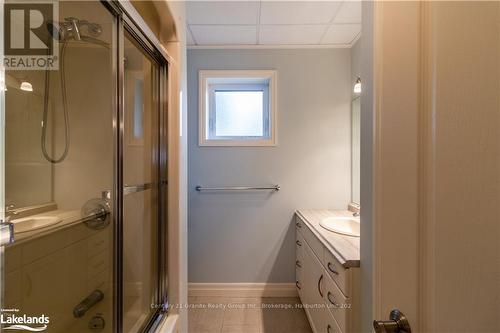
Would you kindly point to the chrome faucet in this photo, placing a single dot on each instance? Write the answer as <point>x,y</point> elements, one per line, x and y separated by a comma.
<point>10,211</point>
<point>81,308</point>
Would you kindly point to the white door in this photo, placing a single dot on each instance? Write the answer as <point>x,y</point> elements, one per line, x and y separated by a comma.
<point>431,165</point>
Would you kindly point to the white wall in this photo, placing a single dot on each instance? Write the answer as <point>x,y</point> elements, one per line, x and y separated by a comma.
<point>356,61</point>
<point>249,237</point>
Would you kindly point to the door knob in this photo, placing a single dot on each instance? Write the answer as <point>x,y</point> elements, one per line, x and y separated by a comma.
<point>397,323</point>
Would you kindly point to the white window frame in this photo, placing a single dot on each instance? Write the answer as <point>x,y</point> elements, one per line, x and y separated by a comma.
<point>234,80</point>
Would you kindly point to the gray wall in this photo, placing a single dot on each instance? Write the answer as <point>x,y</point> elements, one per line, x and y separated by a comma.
<point>249,237</point>
<point>356,62</point>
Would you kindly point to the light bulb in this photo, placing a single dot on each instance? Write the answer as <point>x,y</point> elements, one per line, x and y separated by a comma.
<point>357,86</point>
<point>26,86</point>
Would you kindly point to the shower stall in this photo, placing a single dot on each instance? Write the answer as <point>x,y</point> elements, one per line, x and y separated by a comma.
<point>83,156</point>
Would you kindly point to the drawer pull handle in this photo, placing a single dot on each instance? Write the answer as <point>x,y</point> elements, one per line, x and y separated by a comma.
<point>332,300</point>
<point>332,269</point>
<point>328,328</point>
<point>299,243</point>
<point>298,225</point>
<point>298,264</point>
<point>297,284</point>
<point>319,285</point>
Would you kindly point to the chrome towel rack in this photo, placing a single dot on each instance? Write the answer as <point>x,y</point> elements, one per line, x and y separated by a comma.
<point>200,188</point>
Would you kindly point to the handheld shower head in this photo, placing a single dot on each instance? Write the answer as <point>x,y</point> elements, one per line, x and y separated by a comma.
<point>57,31</point>
<point>71,29</point>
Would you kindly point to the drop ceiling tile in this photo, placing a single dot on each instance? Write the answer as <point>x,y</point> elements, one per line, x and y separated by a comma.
<point>291,34</point>
<point>224,34</point>
<point>189,37</point>
<point>298,12</point>
<point>349,12</point>
<point>341,33</point>
<point>222,12</point>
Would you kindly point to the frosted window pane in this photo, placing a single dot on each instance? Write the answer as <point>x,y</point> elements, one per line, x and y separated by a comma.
<point>138,109</point>
<point>239,113</point>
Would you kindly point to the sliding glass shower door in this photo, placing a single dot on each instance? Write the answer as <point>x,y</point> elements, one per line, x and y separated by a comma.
<point>141,192</point>
<point>82,207</point>
<point>59,142</point>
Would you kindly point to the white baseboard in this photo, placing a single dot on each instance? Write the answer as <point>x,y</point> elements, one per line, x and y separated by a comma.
<point>243,289</point>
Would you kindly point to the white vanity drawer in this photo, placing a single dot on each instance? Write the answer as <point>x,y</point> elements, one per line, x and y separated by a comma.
<point>97,243</point>
<point>300,245</point>
<point>338,273</point>
<point>97,264</point>
<point>311,239</point>
<point>338,304</point>
<point>13,294</point>
<point>331,324</point>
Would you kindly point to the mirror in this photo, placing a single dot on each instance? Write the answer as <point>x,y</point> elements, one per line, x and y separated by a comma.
<point>355,149</point>
<point>28,175</point>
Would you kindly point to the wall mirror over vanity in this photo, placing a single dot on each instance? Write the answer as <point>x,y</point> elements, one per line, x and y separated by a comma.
<point>327,252</point>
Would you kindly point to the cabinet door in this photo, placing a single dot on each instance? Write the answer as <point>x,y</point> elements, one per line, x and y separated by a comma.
<point>313,290</point>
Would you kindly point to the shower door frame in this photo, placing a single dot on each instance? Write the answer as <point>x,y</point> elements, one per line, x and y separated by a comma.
<point>129,20</point>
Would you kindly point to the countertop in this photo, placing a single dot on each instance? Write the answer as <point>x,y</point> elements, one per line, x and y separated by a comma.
<point>344,248</point>
<point>67,219</point>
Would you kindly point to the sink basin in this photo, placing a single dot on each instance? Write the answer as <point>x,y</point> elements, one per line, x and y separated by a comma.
<point>342,225</point>
<point>34,223</point>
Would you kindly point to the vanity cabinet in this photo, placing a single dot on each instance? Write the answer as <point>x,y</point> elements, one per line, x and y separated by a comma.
<point>51,274</point>
<point>328,291</point>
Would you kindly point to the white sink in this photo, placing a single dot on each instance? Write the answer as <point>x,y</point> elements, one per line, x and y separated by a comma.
<point>34,223</point>
<point>342,225</point>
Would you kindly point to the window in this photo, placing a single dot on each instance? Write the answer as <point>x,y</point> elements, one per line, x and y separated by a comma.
<point>237,108</point>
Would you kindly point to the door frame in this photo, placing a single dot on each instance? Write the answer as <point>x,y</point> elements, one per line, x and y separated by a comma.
<point>392,169</point>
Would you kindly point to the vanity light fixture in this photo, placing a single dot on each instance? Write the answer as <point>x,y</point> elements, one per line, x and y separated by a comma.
<point>26,86</point>
<point>357,86</point>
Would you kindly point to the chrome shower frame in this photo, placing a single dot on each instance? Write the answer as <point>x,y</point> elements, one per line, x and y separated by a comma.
<point>128,19</point>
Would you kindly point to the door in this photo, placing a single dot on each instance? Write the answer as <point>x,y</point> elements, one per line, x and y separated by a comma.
<point>430,176</point>
<point>141,195</point>
<point>79,177</point>
<point>56,160</point>
<point>313,288</point>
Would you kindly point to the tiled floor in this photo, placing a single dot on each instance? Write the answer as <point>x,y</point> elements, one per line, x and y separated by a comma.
<point>249,315</point>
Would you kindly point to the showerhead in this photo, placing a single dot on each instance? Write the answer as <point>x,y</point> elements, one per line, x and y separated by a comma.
<point>56,31</point>
<point>71,29</point>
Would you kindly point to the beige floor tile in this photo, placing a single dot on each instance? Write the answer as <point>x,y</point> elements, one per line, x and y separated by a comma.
<point>226,300</point>
<point>247,315</point>
<point>240,329</point>
<point>284,300</point>
<point>252,315</point>
<point>284,320</point>
<point>205,320</point>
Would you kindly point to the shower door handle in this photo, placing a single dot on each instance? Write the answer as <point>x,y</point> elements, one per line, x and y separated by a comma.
<point>129,189</point>
<point>6,233</point>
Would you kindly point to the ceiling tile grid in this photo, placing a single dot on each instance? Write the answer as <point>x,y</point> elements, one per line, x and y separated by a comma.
<point>273,23</point>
